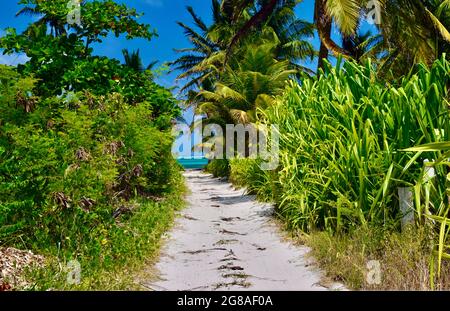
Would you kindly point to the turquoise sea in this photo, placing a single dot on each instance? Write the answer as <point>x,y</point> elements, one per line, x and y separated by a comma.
<point>193,163</point>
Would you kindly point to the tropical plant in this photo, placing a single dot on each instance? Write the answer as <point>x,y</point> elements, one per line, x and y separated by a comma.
<point>341,136</point>
<point>134,61</point>
<point>53,18</point>
<point>212,42</point>
<point>413,32</point>
<point>203,48</point>
<point>345,14</point>
<point>250,80</point>
<point>72,166</point>
<point>360,46</point>
<point>68,54</point>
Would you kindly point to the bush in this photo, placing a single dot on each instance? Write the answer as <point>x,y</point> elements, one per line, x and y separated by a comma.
<point>73,167</point>
<point>247,173</point>
<point>341,141</point>
<point>218,168</point>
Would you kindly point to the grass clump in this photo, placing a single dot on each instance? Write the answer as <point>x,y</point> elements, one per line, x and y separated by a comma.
<point>218,168</point>
<point>405,259</point>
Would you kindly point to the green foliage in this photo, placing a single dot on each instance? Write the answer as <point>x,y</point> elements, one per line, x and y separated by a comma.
<point>341,136</point>
<point>218,168</point>
<point>86,170</point>
<point>59,49</point>
<point>131,245</point>
<point>202,62</point>
<point>247,173</point>
<point>75,165</point>
<point>15,91</point>
<point>248,82</point>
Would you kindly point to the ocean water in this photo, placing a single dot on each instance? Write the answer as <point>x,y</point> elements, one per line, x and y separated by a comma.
<point>193,163</point>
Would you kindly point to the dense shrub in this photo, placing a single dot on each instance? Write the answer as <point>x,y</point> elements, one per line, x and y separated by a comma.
<point>246,173</point>
<point>218,167</point>
<point>72,166</point>
<point>342,136</point>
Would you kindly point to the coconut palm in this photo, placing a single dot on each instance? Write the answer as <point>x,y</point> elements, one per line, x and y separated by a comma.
<point>413,32</point>
<point>134,61</point>
<point>250,80</point>
<point>248,83</point>
<point>56,20</point>
<point>362,45</point>
<point>292,34</point>
<point>345,13</point>
<point>202,63</point>
<point>203,48</point>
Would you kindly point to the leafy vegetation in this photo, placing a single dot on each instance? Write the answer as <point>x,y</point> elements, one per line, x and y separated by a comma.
<point>342,137</point>
<point>406,258</point>
<point>86,170</point>
<point>66,52</point>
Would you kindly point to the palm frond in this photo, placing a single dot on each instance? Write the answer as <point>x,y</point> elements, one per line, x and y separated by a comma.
<point>439,26</point>
<point>345,13</point>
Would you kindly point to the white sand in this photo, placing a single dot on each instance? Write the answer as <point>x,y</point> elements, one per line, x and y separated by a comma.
<point>225,240</point>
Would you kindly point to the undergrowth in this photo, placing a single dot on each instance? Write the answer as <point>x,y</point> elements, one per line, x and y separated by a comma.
<point>133,246</point>
<point>405,259</point>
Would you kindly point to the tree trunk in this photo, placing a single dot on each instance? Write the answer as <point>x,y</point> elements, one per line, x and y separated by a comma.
<point>323,22</point>
<point>323,55</point>
<point>256,20</point>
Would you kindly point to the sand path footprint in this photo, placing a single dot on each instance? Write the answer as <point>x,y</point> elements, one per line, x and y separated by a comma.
<point>225,240</point>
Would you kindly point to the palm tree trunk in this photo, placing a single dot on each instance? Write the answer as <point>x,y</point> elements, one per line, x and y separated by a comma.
<point>257,19</point>
<point>320,17</point>
<point>323,55</point>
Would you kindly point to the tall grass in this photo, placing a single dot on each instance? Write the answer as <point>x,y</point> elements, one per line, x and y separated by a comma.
<point>341,141</point>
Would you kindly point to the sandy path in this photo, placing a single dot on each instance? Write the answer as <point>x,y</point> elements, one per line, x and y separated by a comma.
<point>225,240</point>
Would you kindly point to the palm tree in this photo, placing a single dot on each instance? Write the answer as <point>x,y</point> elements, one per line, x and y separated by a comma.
<point>362,45</point>
<point>134,61</point>
<point>265,10</point>
<point>291,33</point>
<point>203,49</point>
<point>56,20</point>
<point>201,64</point>
<point>250,80</point>
<point>345,14</point>
<point>413,32</point>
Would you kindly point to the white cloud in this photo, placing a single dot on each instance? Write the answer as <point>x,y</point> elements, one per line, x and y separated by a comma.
<point>13,59</point>
<point>156,3</point>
